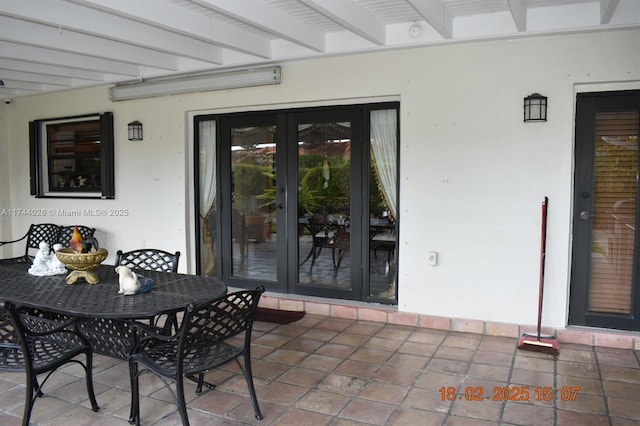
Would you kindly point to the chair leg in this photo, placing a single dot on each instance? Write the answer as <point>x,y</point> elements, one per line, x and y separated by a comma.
<point>248,375</point>
<point>31,393</point>
<point>182,405</point>
<point>134,413</point>
<point>89,376</point>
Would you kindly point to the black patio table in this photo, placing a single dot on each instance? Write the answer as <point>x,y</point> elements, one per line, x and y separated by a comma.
<point>105,317</point>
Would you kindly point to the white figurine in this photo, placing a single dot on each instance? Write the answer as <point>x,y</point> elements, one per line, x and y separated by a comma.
<point>55,266</point>
<point>42,260</point>
<point>129,283</point>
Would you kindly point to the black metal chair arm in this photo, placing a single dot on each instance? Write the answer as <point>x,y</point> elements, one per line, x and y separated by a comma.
<point>14,241</point>
<point>148,334</point>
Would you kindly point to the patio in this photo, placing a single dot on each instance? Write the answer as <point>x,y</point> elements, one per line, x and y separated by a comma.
<point>323,370</point>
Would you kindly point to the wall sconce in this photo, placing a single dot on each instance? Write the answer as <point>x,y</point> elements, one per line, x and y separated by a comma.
<point>535,108</point>
<point>135,130</point>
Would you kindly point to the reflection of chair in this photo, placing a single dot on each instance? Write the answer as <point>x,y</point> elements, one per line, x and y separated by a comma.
<point>48,232</point>
<point>199,345</point>
<point>326,234</point>
<point>149,260</point>
<point>386,241</point>
<point>38,344</point>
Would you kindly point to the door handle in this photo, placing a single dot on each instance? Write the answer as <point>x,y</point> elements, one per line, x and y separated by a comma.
<point>280,206</point>
<point>585,215</point>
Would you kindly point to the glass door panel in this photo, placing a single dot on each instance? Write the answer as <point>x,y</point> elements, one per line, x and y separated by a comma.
<point>383,217</point>
<point>253,222</point>
<point>324,205</point>
<point>614,213</point>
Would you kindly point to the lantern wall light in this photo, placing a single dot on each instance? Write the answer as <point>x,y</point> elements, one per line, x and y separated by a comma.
<point>135,130</point>
<point>535,108</point>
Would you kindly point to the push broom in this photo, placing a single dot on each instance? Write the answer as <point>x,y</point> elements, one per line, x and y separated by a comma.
<point>537,342</point>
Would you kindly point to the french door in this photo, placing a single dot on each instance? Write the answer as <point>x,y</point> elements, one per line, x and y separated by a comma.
<point>290,211</point>
<point>605,284</point>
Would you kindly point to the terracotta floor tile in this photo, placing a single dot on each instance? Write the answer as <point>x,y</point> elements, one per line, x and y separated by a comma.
<point>302,377</point>
<point>369,412</point>
<point>579,369</point>
<point>323,402</point>
<point>296,416</point>
<point>408,361</point>
<point>628,408</point>
<point>621,389</point>
<point>493,358</point>
<point>401,376</point>
<point>384,392</point>
<point>527,414</point>
<point>353,368</point>
<point>344,372</point>
<point>411,417</point>
<point>394,332</point>
<point>454,353</point>
<point>336,350</point>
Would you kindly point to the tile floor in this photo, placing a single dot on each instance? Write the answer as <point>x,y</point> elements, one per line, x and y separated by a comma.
<point>332,371</point>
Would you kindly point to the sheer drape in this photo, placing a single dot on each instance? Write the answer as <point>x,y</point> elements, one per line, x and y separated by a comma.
<point>207,194</point>
<point>384,136</point>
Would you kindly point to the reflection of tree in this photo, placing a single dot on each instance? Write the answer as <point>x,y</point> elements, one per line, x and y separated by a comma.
<point>316,191</point>
<point>250,180</point>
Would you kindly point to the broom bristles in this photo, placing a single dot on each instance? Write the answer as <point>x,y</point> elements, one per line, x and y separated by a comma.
<point>546,345</point>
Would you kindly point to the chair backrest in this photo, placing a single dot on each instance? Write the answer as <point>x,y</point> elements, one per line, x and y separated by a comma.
<point>149,260</point>
<point>16,323</point>
<point>48,232</point>
<point>208,323</point>
<point>66,232</point>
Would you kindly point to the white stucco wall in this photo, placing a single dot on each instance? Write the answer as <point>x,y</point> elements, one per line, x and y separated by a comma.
<point>473,175</point>
<point>5,222</point>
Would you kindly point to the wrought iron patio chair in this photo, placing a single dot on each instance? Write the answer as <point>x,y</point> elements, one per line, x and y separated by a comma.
<point>201,344</point>
<point>37,343</point>
<point>149,260</point>
<point>48,232</point>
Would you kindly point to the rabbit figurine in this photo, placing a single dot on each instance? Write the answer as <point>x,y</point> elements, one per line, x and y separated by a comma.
<point>128,280</point>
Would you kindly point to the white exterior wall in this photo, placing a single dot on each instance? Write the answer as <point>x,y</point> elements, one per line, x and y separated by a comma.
<point>472,179</point>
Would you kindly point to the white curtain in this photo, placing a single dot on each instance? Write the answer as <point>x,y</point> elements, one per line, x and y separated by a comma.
<point>384,144</point>
<point>207,193</point>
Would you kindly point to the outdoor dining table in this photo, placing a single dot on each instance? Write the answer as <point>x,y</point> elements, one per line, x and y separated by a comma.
<point>106,317</point>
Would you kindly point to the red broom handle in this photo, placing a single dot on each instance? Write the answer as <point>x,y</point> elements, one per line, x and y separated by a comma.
<point>543,249</point>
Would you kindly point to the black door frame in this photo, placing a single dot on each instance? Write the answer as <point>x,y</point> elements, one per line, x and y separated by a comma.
<point>360,159</point>
<point>587,106</point>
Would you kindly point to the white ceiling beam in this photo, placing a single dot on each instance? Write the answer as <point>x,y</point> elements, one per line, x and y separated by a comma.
<point>29,77</point>
<point>269,19</point>
<point>181,20</point>
<point>352,17</point>
<point>518,10</point>
<point>607,8</point>
<point>95,22</point>
<point>21,85</point>
<point>40,55</point>
<point>61,39</point>
<point>10,64</point>
<point>434,13</point>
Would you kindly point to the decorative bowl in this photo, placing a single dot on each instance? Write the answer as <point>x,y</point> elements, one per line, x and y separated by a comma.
<point>81,261</point>
<point>82,264</point>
